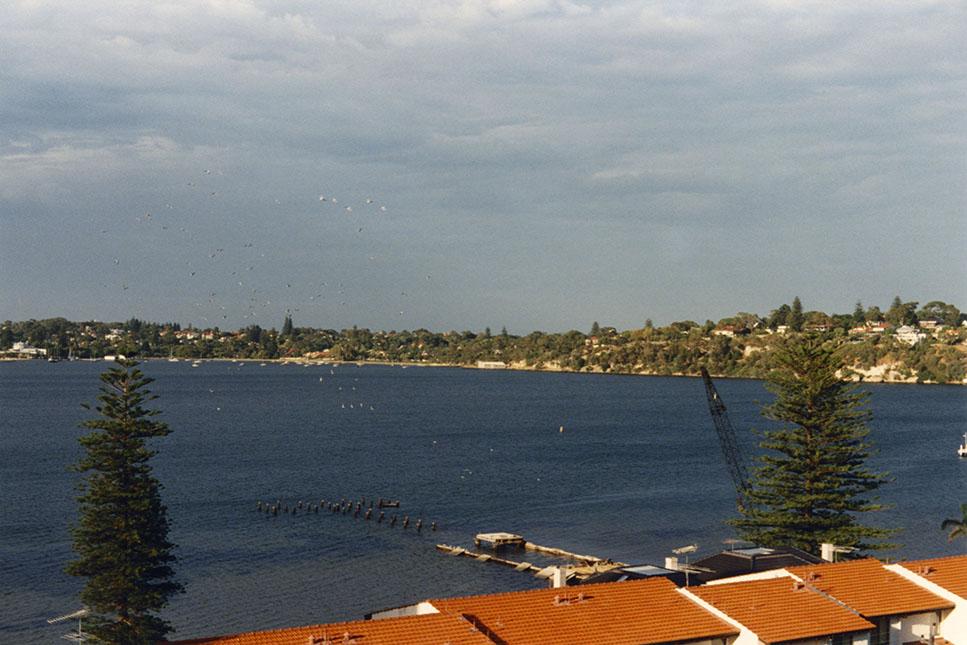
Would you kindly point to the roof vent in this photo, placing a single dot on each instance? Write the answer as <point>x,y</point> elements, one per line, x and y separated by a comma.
<point>812,576</point>
<point>798,585</point>
<point>568,600</point>
<point>925,570</point>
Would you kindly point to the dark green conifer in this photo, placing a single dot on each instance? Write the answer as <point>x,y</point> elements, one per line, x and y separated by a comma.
<point>121,537</point>
<point>796,316</point>
<point>813,483</point>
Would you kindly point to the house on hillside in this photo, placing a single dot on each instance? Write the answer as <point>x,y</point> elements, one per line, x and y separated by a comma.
<point>909,335</point>
<point>25,349</point>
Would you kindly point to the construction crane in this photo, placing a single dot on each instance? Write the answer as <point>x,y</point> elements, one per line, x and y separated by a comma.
<point>730,448</point>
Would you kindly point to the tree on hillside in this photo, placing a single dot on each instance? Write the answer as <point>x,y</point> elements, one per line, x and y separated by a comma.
<point>938,310</point>
<point>779,316</point>
<point>859,314</point>
<point>902,313</point>
<point>595,328</point>
<point>121,537</point>
<point>796,316</point>
<point>813,483</point>
<point>287,326</point>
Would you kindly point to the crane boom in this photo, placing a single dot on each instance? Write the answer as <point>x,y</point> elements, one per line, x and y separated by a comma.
<point>730,447</point>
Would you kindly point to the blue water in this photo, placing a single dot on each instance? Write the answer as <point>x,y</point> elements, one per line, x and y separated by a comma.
<point>637,472</point>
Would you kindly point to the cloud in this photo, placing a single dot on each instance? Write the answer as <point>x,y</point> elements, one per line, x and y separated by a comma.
<point>549,112</point>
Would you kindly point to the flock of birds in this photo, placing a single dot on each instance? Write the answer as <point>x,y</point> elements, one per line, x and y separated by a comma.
<point>224,281</point>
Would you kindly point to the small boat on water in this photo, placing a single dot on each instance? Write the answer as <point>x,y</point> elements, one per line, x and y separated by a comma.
<point>962,450</point>
<point>388,503</point>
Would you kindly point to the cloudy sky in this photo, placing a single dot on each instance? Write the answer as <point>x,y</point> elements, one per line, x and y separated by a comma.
<point>542,164</point>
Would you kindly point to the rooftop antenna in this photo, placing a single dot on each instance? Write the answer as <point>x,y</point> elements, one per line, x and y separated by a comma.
<point>685,550</point>
<point>732,542</point>
<point>78,636</point>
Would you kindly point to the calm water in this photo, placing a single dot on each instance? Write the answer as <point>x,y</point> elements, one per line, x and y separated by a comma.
<point>637,472</point>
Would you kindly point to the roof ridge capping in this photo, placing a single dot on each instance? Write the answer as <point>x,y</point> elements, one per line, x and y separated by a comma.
<point>869,587</point>
<point>781,609</point>
<point>948,572</point>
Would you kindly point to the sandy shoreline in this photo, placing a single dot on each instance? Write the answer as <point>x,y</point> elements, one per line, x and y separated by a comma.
<point>880,374</point>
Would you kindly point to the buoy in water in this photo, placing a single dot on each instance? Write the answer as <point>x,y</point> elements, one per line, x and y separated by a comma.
<point>562,429</point>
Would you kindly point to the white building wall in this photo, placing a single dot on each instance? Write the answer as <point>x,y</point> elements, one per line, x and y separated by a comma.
<point>419,609</point>
<point>913,627</point>
<point>758,575</point>
<point>953,623</point>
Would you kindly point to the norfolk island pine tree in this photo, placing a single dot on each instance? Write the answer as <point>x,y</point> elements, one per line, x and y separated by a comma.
<point>813,485</point>
<point>121,536</point>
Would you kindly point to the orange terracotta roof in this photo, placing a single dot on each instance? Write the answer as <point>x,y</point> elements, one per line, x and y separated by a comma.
<point>639,612</point>
<point>429,629</point>
<point>867,587</point>
<point>778,609</point>
<point>949,573</point>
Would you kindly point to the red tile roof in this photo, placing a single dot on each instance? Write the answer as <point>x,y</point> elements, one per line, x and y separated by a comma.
<point>429,629</point>
<point>867,587</point>
<point>779,609</point>
<point>638,612</point>
<point>949,573</point>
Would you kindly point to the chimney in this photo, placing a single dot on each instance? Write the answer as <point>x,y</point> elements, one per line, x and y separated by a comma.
<point>827,551</point>
<point>559,577</point>
<point>671,562</point>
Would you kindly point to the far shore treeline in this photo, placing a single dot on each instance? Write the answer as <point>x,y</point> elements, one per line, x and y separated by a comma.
<point>905,343</point>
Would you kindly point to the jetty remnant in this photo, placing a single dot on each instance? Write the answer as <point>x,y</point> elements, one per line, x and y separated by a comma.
<point>499,540</point>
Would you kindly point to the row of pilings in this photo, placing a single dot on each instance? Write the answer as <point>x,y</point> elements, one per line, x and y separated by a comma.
<point>374,511</point>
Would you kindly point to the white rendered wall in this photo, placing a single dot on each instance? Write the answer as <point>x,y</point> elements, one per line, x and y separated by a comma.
<point>419,609</point>
<point>759,575</point>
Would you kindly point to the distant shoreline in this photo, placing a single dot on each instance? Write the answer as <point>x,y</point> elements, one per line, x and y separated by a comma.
<point>515,367</point>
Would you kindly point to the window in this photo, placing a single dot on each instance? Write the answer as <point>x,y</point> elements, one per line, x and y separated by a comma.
<point>881,635</point>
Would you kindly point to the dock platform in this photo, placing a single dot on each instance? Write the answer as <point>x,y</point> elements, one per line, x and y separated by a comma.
<point>498,540</point>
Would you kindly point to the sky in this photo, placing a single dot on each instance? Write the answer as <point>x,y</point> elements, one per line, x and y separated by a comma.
<point>532,164</point>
